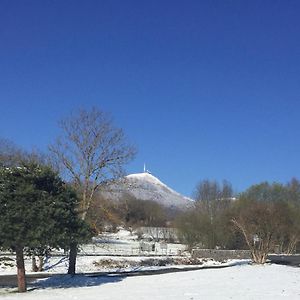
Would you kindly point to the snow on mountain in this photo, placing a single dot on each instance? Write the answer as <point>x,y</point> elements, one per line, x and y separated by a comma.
<point>145,186</point>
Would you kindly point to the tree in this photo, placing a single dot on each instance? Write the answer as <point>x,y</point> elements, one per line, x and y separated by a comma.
<point>10,154</point>
<point>104,214</point>
<point>209,223</point>
<point>212,200</point>
<point>290,233</point>
<point>261,216</point>
<point>90,151</point>
<point>194,228</point>
<point>293,190</point>
<point>38,211</point>
<point>139,212</point>
<point>259,222</point>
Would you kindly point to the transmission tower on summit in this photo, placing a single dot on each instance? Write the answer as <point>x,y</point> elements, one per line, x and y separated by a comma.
<point>145,170</point>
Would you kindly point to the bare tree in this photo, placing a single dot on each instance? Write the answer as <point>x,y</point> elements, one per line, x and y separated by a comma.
<point>194,229</point>
<point>259,222</point>
<point>212,199</point>
<point>293,232</point>
<point>90,151</point>
<point>10,154</point>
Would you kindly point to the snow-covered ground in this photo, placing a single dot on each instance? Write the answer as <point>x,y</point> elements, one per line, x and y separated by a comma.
<point>92,264</point>
<point>237,282</point>
<point>124,243</point>
<point>119,251</point>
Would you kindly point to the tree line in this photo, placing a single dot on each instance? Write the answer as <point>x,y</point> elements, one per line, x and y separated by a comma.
<point>265,218</point>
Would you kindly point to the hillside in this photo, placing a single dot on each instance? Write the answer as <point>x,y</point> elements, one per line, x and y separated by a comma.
<point>145,186</point>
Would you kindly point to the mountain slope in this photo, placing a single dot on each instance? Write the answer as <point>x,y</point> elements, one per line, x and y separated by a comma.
<point>145,186</point>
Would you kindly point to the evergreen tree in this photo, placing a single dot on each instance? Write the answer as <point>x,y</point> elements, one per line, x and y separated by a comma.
<point>38,212</point>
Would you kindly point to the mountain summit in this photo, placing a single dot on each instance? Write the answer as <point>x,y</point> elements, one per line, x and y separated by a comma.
<point>145,177</point>
<point>144,186</point>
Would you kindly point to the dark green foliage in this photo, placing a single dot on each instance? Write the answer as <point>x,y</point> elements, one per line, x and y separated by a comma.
<point>38,210</point>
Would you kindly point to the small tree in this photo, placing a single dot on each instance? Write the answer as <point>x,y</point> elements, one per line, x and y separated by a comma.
<point>259,223</point>
<point>37,212</point>
<point>261,214</point>
<point>90,151</point>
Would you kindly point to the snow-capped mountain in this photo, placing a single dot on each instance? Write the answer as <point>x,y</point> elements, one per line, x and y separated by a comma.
<point>145,186</point>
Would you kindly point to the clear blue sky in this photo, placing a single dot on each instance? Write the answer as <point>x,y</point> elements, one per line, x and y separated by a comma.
<point>205,89</point>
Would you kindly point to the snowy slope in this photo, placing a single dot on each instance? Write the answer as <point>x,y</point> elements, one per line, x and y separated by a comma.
<point>145,186</point>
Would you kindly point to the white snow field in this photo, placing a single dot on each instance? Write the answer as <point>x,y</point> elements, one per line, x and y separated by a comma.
<point>237,282</point>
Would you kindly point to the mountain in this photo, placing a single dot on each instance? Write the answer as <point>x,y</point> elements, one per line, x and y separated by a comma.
<point>145,186</point>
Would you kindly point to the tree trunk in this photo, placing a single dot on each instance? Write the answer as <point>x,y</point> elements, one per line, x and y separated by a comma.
<point>41,263</point>
<point>72,258</point>
<point>34,267</point>
<point>21,270</point>
<point>291,246</point>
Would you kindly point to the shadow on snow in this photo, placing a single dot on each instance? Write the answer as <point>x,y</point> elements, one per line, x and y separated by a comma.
<point>69,281</point>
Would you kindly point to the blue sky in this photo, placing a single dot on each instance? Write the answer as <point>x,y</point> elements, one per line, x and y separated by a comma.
<point>204,89</point>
